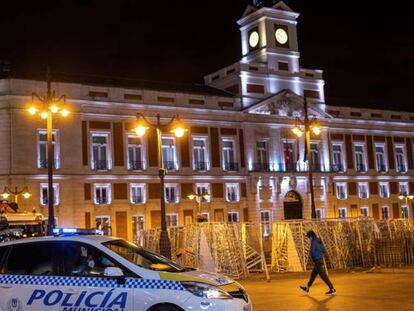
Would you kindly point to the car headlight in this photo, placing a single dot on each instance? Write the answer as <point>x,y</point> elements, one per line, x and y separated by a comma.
<point>204,290</point>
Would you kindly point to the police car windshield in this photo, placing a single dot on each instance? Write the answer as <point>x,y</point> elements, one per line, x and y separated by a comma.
<point>142,257</point>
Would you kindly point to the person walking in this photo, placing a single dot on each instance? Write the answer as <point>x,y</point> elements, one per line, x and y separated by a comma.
<point>317,252</point>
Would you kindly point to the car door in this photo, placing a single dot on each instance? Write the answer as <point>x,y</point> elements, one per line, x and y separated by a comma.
<point>87,285</point>
<point>27,277</point>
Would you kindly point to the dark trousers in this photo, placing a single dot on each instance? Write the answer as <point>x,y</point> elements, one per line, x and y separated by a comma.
<point>318,268</point>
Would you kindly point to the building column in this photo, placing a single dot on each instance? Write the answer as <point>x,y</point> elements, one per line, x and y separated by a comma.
<point>250,147</point>
<point>275,149</point>
<point>325,158</point>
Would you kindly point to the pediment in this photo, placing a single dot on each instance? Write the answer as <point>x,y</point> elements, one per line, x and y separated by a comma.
<point>285,104</point>
<point>282,6</point>
<point>249,10</point>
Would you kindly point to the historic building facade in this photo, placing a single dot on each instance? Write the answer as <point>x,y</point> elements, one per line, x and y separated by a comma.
<point>240,148</point>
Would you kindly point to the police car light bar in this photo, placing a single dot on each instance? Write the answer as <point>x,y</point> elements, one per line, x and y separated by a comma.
<point>76,231</point>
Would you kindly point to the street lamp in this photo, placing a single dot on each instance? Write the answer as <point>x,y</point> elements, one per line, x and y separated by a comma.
<point>7,192</point>
<point>309,125</point>
<point>48,106</point>
<point>199,198</point>
<point>176,127</point>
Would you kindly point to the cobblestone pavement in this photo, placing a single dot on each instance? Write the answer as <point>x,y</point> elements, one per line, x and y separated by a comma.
<point>384,290</point>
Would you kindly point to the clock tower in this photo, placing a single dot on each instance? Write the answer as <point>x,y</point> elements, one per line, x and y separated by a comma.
<point>270,60</point>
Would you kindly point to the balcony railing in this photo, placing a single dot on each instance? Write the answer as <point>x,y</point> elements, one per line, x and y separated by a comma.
<point>382,168</point>
<point>291,167</point>
<point>100,165</point>
<point>384,194</point>
<point>201,166</point>
<point>401,168</point>
<point>317,167</point>
<point>231,166</point>
<point>170,165</point>
<point>45,201</point>
<point>260,167</point>
<point>232,197</point>
<point>42,163</point>
<point>136,165</point>
<point>363,195</point>
<point>337,168</point>
<point>102,200</point>
<point>171,199</point>
<point>360,168</point>
<point>341,196</point>
<point>137,199</point>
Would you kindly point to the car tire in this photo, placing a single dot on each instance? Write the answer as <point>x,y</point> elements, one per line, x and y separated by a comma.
<point>164,307</point>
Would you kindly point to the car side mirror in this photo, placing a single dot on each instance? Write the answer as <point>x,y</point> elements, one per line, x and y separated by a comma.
<point>116,273</point>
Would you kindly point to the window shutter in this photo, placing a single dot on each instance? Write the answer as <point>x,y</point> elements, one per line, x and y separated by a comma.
<point>154,191</point>
<point>120,191</point>
<point>118,144</point>
<point>217,190</point>
<point>87,192</point>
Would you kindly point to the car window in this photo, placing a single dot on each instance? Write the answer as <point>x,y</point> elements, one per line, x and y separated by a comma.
<point>31,259</point>
<point>3,251</point>
<point>84,260</point>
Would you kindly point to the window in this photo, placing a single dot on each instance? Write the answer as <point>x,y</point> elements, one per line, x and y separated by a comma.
<point>42,153</point>
<point>290,158</point>
<point>171,193</point>
<point>405,212</point>
<point>80,259</point>
<point>172,220</point>
<point>342,212</point>
<point>400,159</point>
<point>102,194</point>
<point>206,215</point>
<point>380,158</point>
<point>233,216</point>
<point>229,157</point>
<point>319,213</point>
<point>384,190</point>
<point>363,190</point>
<point>135,154</point>
<point>42,259</point>
<point>137,193</point>
<point>202,190</point>
<point>103,223</point>
<point>200,154</point>
<point>338,160</point>
<point>169,157</point>
<point>232,193</point>
<point>266,221</point>
<point>44,194</point>
<point>262,157</point>
<point>359,158</point>
<point>314,149</point>
<point>138,224</point>
<point>341,191</point>
<point>364,211</point>
<point>404,188</point>
<point>385,212</point>
<point>101,151</point>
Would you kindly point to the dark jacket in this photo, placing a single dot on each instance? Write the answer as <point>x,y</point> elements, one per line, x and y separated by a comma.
<point>317,249</point>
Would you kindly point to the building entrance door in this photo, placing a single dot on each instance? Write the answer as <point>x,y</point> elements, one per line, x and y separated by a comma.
<point>292,206</point>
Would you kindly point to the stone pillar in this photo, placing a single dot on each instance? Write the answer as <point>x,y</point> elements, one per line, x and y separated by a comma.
<point>325,158</point>
<point>275,149</point>
<point>250,145</point>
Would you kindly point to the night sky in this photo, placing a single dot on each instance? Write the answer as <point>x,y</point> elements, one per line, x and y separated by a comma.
<point>366,50</point>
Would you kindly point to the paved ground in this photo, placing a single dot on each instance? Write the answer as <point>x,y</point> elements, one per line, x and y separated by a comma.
<point>386,290</point>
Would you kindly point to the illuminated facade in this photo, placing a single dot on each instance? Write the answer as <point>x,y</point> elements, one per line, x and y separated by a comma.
<point>239,147</point>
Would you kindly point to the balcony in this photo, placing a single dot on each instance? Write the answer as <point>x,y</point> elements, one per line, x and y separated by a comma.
<point>137,199</point>
<point>291,167</point>
<point>401,168</point>
<point>42,163</point>
<point>170,165</point>
<point>136,165</point>
<point>337,168</point>
<point>100,165</point>
<point>171,199</point>
<point>45,201</point>
<point>360,168</point>
<point>231,166</point>
<point>102,200</point>
<point>382,168</point>
<point>232,197</point>
<point>341,195</point>
<point>260,167</point>
<point>384,194</point>
<point>363,195</point>
<point>201,166</point>
<point>317,168</point>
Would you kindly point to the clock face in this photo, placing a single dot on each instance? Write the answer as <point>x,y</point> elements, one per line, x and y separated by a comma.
<point>254,39</point>
<point>281,36</point>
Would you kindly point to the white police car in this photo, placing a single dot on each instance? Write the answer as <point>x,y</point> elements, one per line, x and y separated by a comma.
<point>97,273</point>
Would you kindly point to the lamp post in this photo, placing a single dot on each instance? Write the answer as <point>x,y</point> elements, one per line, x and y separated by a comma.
<point>198,196</point>
<point>50,105</point>
<point>175,126</point>
<point>309,125</point>
<point>405,198</point>
<point>7,192</point>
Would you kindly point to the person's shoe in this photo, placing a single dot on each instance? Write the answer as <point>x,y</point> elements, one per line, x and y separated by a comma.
<point>331,292</point>
<point>304,289</point>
